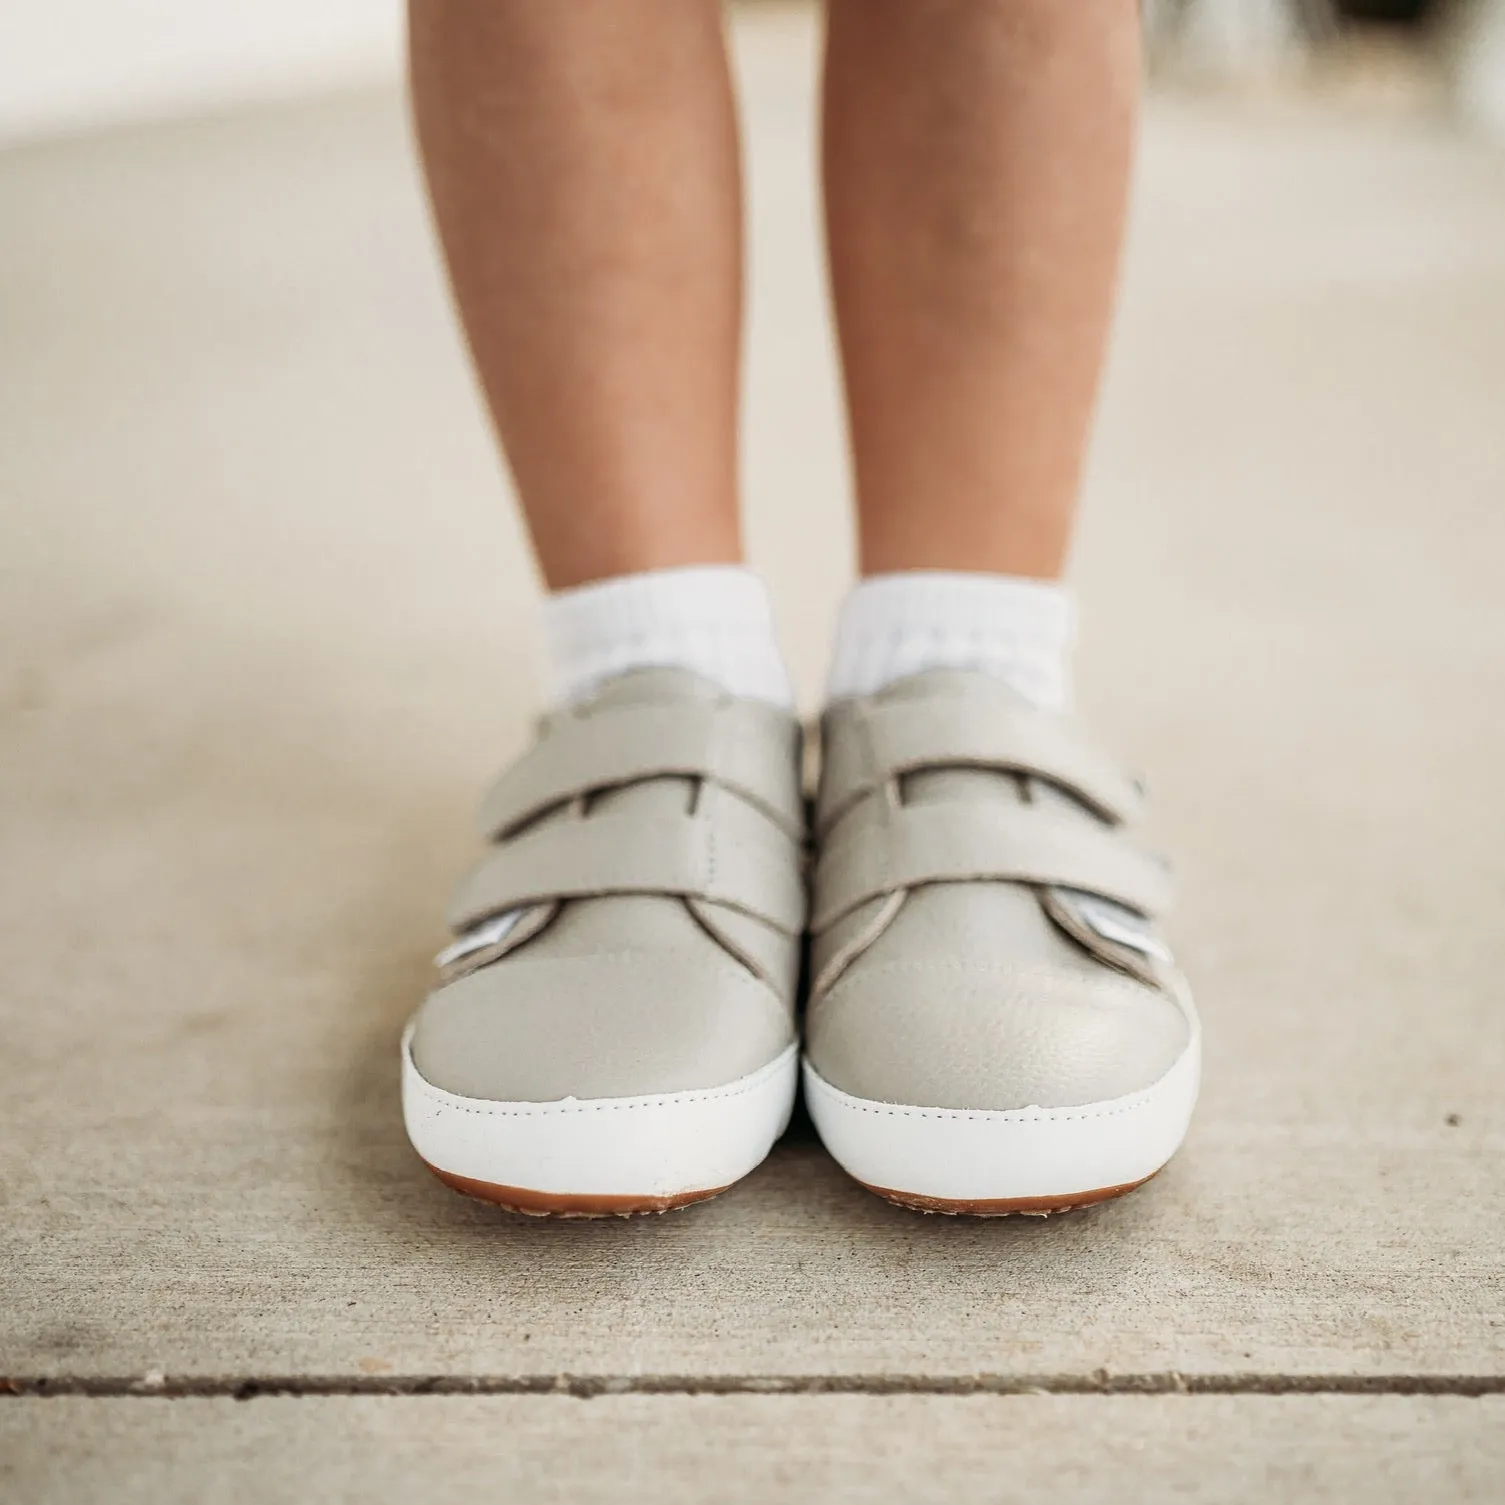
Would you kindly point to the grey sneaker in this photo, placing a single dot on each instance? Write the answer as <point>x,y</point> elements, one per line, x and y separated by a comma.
<point>995,1024</point>
<point>613,1031</point>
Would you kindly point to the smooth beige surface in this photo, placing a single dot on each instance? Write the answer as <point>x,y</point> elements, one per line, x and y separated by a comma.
<point>266,634</point>
<point>1020,1449</point>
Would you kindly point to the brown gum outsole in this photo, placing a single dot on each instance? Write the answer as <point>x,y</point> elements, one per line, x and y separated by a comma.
<point>1005,1207</point>
<point>549,1204</point>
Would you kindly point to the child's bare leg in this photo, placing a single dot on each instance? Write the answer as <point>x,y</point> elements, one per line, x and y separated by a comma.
<point>582,160</point>
<point>976,161</point>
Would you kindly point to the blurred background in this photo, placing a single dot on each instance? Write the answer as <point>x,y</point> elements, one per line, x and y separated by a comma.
<point>69,65</point>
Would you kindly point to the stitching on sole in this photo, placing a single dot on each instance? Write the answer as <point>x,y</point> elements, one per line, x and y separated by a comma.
<point>453,1103</point>
<point>1002,1118</point>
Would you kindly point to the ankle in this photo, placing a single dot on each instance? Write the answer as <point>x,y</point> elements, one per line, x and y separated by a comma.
<point>898,624</point>
<point>715,620</point>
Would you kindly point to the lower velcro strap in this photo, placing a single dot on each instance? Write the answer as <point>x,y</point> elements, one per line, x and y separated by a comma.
<point>736,858</point>
<point>889,850</point>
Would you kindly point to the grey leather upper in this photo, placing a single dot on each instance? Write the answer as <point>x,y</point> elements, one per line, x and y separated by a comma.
<point>647,852</point>
<point>983,927</point>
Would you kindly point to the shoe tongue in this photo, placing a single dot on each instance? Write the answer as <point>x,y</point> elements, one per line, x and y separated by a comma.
<point>975,684</point>
<point>669,795</point>
<point>941,784</point>
<point>645,686</point>
<point>587,926</point>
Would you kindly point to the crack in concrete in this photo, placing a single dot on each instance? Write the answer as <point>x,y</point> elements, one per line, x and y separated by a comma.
<point>589,1387</point>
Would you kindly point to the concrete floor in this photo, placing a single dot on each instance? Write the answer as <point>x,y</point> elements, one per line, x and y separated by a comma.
<point>267,631</point>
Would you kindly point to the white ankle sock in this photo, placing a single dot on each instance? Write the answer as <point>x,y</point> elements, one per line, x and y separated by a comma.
<point>713,619</point>
<point>892,626</point>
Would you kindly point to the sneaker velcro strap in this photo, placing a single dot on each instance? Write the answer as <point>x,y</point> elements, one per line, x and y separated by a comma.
<point>886,741</point>
<point>882,852</point>
<point>742,745</point>
<point>733,857</point>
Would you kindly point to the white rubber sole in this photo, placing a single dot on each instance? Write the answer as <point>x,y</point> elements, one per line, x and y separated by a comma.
<point>1025,1160</point>
<point>597,1157</point>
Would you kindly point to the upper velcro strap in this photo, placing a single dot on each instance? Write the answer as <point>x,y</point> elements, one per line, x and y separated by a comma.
<point>865,746</point>
<point>750,749</point>
<point>736,858</point>
<point>961,841</point>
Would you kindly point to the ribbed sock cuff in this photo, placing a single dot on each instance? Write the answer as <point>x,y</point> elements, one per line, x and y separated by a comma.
<point>715,620</point>
<point>892,626</point>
